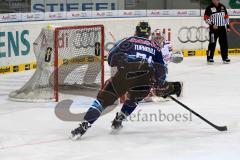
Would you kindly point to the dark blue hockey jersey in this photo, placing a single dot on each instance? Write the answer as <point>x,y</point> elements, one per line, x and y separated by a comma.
<point>138,48</point>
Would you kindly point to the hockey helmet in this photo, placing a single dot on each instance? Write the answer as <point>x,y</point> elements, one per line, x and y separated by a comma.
<point>143,30</point>
<point>158,36</point>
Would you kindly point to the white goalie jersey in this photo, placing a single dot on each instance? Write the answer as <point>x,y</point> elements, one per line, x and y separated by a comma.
<point>169,55</point>
<point>166,51</point>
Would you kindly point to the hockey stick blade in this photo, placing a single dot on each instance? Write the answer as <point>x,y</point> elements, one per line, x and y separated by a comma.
<point>219,128</point>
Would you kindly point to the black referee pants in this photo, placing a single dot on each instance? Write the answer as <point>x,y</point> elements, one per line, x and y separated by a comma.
<point>214,35</point>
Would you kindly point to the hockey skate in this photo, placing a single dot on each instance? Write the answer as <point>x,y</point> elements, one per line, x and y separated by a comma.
<point>81,130</point>
<point>117,122</point>
<point>210,61</point>
<point>226,61</point>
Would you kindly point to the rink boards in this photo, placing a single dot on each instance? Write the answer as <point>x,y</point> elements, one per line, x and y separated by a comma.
<point>188,34</point>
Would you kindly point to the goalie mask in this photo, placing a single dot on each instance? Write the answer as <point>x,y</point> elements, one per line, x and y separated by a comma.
<point>143,30</point>
<point>158,36</point>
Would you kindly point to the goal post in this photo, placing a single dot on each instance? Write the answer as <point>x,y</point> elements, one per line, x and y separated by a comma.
<point>68,58</point>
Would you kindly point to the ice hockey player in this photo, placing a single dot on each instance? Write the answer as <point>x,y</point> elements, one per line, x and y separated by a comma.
<point>140,65</point>
<point>168,56</point>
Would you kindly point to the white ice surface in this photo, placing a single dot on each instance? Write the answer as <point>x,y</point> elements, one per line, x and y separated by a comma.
<point>31,131</point>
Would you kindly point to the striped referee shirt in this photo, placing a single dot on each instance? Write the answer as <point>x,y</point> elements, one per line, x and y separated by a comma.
<point>217,15</point>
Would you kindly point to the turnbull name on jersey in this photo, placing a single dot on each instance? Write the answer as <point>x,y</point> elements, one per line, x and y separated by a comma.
<point>145,48</point>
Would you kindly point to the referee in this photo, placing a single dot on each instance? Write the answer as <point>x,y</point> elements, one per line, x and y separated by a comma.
<point>217,17</point>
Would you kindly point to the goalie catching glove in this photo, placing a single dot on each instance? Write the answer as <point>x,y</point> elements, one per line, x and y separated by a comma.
<point>177,57</point>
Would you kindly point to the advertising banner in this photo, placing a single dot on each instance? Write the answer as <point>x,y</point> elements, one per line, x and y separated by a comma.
<point>90,14</point>
<point>234,12</point>
<point>173,13</point>
<point>55,15</point>
<point>75,5</point>
<point>132,13</point>
<point>16,40</point>
<point>185,33</point>
<point>38,16</point>
<point>10,17</point>
<point>79,14</point>
<point>106,14</point>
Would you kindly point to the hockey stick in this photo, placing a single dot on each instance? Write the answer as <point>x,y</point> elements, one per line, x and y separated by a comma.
<point>220,128</point>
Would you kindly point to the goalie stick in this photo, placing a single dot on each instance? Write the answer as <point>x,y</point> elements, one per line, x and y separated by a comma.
<point>219,128</point>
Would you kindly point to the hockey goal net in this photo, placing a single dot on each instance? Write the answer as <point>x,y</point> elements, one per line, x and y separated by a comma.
<point>68,58</point>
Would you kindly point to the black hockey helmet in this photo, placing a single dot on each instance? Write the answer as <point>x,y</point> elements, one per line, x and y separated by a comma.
<point>143,30</point>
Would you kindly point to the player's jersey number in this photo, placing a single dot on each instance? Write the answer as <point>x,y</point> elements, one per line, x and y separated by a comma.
<point>144,57</point>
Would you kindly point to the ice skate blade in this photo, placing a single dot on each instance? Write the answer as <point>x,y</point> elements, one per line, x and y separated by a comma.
<point>115,131</point>
<point>224,62</point>
<point>210,63</point>
<point>75,138</point>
